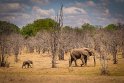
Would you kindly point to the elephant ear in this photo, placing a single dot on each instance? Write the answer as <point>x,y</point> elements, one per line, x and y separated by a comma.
<point>91,51</point>
<point>85,52</point>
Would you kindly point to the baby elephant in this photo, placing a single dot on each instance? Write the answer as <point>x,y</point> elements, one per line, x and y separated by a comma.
<point>27,63</point>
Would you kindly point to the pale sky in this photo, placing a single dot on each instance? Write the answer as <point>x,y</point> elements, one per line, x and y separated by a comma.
<point>76,12</point>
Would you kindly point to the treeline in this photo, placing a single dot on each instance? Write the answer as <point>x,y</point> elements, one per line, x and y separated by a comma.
<point>39,36</point>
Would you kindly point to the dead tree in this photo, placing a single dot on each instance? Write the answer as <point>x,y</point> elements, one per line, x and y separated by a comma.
<point>60,25</point>
<point>113,44</point>
<point>42,42</point>
<point>16,52</point>
<point>55,38</point>
<point>114,52</point>
<point>54,45</point>
<point>122,41</point>
<point>61,54</point>
<point>101,46</point>
<point>29,43</point>
<point>122,49</point>
<point>4,43</point>
<point>17,42</point>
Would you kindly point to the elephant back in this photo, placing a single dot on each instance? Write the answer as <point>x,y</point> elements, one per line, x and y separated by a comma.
<point>83,51</point>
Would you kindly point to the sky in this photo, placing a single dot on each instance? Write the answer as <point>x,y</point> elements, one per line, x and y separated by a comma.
<point>75,12</point>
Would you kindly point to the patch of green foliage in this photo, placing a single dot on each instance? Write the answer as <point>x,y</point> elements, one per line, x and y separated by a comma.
<point>7,28</point>
<point>36,26</point>
<point>87,26</point>
<point>111,27</point>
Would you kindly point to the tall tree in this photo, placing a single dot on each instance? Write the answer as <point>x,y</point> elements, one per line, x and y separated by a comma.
<point>55,35</point>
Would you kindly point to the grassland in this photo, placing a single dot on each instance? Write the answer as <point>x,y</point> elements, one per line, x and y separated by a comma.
<point>43,73</point>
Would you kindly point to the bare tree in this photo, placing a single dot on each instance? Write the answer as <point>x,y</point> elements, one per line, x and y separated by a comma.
<point>122,41</point>
<point>55,34</point>
<point>4,47</point>
<point>113,44</point>
<point>42,41</point>
<point>60,45</point>
<point>101,46</point>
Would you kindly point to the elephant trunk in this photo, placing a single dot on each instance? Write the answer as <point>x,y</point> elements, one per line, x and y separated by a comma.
<point>94,61</point>
<point>70,61</point>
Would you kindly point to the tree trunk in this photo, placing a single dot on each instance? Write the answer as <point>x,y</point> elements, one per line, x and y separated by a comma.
<point>115,57</point>
<point>61,54</point>
<point>31,49</point>
<point>123,52</point>
<point>2,57</point>
<point>114,53</point>
<point>0,61</point>
<point>16,52</point>
<point>54,45</point>
<point>53,62</point>
<point>16,58</point>
<point>38,49</point>
<point>44,50</point>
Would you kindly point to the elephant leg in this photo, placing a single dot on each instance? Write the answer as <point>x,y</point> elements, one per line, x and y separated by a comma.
<point>30,65</point>
<point>75,60</point>
<point>85,58</point>
<point>75,63</point>
<point>82,59</point>
<point>24,65</point>
<point>70,62</point>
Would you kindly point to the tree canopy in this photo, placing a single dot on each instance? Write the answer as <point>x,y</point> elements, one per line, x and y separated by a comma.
<point>111,27</point>
<point>36,26</point>
<point>87,26</point>
<point>7,28</point>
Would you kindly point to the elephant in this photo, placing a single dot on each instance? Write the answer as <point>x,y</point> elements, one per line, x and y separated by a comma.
<point>27,63</point>
<point>81,53</point>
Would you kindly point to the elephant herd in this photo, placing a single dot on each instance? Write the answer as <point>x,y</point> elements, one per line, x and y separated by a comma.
<point>81,53</point>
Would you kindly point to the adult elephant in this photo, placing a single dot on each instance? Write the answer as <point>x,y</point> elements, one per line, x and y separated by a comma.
<point>81,53</point>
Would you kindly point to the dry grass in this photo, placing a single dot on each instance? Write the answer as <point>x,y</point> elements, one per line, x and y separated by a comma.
<point>43,73</point>
<point>60,79</point>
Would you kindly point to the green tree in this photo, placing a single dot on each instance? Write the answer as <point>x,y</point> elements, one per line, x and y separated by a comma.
<point>87,26</point>
<point>28,30</point>
<point>111,27</point>
<point>67,28</point>
<point>36,26</point>
<point>7,28</point>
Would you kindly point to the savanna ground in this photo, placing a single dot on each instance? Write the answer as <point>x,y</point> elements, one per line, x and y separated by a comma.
<point>43,73</point>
